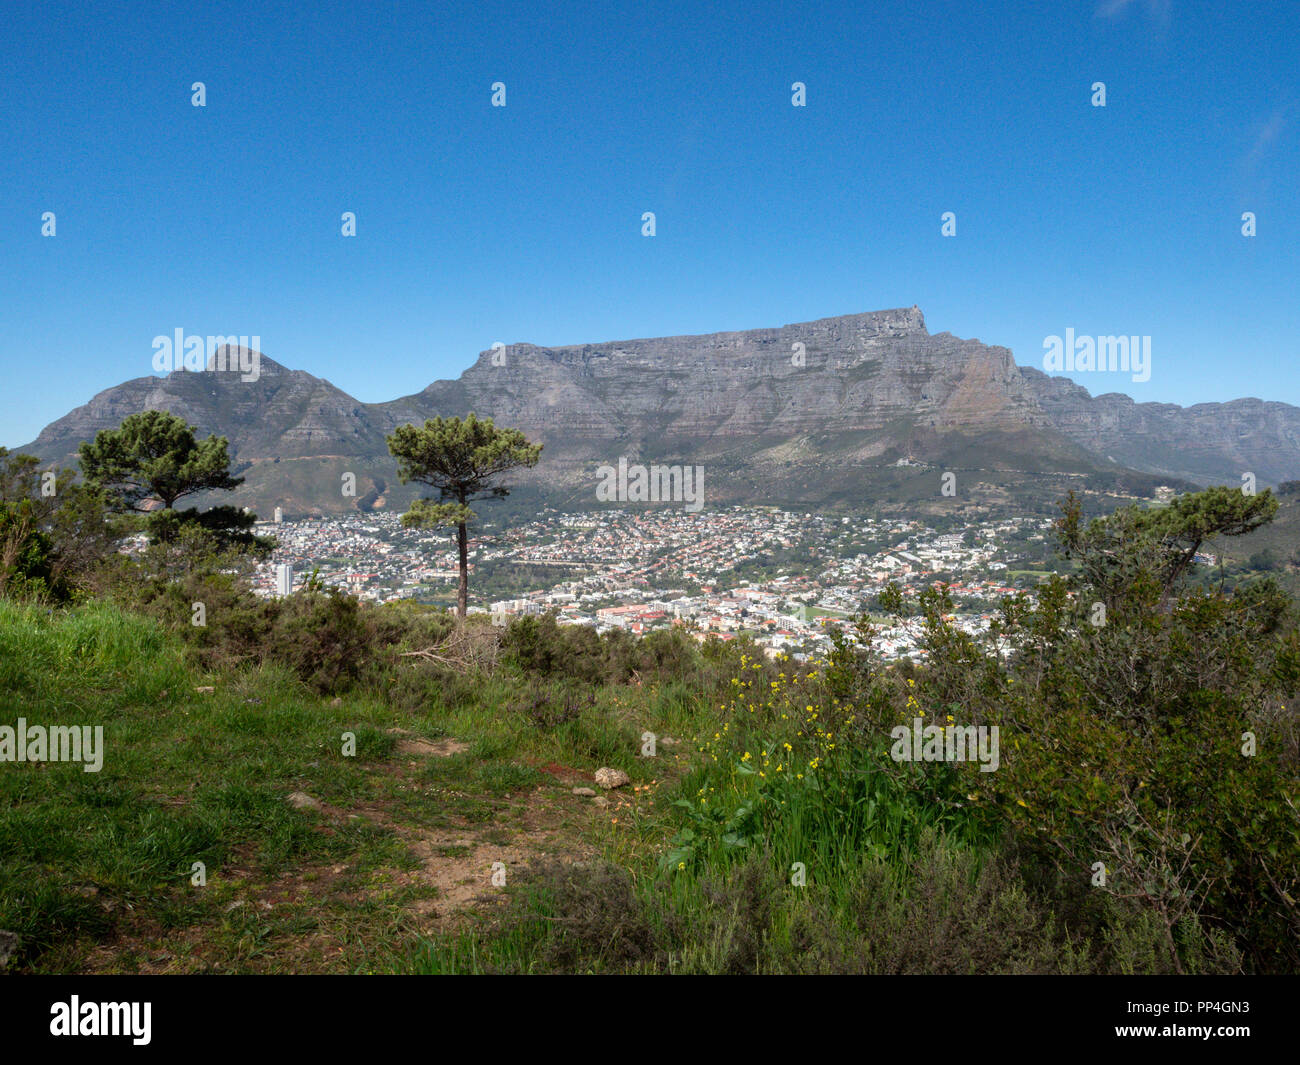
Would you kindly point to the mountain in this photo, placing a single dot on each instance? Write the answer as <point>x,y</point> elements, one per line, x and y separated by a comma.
<point>802,413</point>
<point>291,435</point>
<point>1205,442</point>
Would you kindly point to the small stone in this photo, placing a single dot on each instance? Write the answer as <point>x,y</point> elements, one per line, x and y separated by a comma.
<point>300,800</point>
<point>611,778</point>
<point>336,701</point>
<point>586,793</point>
<point>206,690</point>
<point>8,947</point>
<point>600,800</point>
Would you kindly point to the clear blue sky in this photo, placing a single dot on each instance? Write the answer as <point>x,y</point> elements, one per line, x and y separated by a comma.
<point>479,224</point>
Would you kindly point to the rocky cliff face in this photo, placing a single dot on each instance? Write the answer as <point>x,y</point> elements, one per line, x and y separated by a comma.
<point>767,407</point>
<point>853,373</point>
<point>1205,442</point>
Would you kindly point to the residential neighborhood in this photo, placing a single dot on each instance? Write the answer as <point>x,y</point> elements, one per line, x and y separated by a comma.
<point>785,578</point>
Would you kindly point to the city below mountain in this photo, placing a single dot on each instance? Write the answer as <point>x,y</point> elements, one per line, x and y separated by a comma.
<point>839,409</point>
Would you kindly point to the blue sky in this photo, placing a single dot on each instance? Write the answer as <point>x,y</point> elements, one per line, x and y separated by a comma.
<point>478,224</point>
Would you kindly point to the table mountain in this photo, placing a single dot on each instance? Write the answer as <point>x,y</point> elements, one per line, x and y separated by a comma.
<point>802,412</point>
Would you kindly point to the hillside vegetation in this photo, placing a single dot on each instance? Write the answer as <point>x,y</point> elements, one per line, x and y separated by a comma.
<point>1142,816</point>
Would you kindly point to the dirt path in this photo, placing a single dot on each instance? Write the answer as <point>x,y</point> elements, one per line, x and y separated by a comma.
<point>299,921</point>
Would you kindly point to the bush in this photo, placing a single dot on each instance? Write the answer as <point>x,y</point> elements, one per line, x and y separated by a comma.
<point>539,644</point>
<point>945,910</point>
<point>26,565</point>
<point>327,638</point>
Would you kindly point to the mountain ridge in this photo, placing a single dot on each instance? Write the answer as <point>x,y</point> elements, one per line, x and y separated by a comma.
<point>765,406</point>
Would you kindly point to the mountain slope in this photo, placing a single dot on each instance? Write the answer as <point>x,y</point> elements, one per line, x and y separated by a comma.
<point>1204,442</point>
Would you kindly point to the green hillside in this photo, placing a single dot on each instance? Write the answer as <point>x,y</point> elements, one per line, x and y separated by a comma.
<point>770,829</point>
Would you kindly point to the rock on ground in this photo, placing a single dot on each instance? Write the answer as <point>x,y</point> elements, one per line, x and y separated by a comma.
<point>8,947</point>
<point>611,778</point>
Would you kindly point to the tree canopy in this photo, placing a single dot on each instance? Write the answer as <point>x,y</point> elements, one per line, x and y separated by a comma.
<point>1137,548</point>
<point>156,458</point>
<point>463,460</point>
<point>52,530</point>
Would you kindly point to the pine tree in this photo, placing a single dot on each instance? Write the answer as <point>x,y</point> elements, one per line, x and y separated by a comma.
<point>463,461</point>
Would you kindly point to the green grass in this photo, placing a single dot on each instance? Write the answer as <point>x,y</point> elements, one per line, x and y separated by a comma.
<point>709,861</point>
<point>847,825</point>
<point>815,612</point>
<point>101,861</point>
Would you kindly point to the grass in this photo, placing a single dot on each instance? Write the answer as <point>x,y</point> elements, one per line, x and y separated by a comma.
<point>96,869</point>
<point>770,832</point>
<point>815,612</point>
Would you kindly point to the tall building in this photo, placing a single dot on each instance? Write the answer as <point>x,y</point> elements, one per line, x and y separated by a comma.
<point>279,515</point>
<point>284,579</point>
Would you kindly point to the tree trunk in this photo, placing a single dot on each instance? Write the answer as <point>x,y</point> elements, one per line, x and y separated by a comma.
<point>462,598</point>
